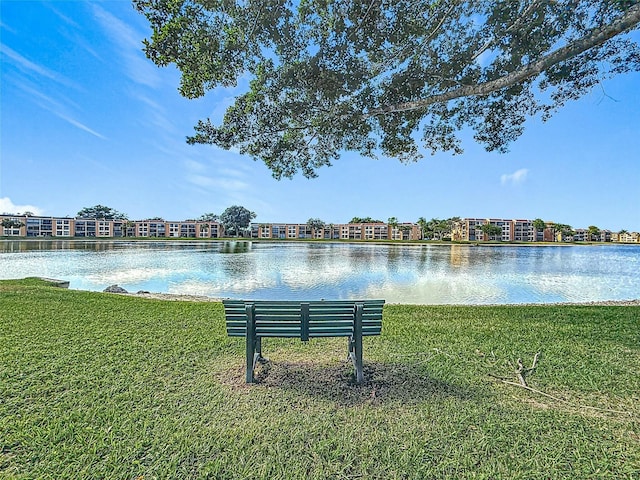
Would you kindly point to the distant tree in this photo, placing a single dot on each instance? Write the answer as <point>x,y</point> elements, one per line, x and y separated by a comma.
<point>443,229</point>
<point>423,225</point>
<point>236,218</point>
<point>10,223</point>
<point>566,231</point>
<point>316,225</point>
<point>126,226</point>
<point>451,223</point>
<point>392,222</point>
<point>438,227</point>
<point>378,77</point>
<point>428,229</point>
<point>364,220</point>
<point>209,217</point>
<point>539,225</point>
<point>28,214</point>
<point>102,212</point>
<point>593,232</point>
<point>491,230</point>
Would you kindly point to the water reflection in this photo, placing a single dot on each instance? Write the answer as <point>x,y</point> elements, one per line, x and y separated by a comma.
<point>400,274</point>
<point>459,256</point>
<point>235,247</point>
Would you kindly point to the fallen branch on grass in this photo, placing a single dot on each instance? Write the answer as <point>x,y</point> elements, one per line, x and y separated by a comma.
<point>521,374</point>
<point>539,392</point>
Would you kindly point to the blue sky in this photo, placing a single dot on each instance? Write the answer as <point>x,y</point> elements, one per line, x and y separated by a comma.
<point>86,119</point>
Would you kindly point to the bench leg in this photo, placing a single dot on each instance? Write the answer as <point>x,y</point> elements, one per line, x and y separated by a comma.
<point>252,343</point>
<point>355,344</point>
<point>250,359</point>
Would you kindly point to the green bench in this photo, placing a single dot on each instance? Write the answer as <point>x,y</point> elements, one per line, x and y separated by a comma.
<point>259,319</point>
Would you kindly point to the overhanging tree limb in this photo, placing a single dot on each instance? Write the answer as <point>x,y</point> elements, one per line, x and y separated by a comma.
<point>597,37</point>
<point>330,76</point>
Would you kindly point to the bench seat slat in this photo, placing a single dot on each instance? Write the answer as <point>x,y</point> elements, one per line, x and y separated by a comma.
<point>242,303</point>
<point>330,333</point>
<point>282,313</point>
<point>296,333</point>
<point>343,318</point>
<point>278,325</point>
<point>279,334</point>
<point>343,334</point>
<point>262,317</point>
<point>242,324</point>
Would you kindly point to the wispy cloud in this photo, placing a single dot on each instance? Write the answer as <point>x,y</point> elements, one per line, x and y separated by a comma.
<point>158,116</point>
<point>27,65</point>
<point>76,123</point>
<point>219,183</point>
<point>6,27</point>
<point>137,67</point>
<point>208,176</point>
<point>58,109</point>
<point>7,206</point>
<point>514,178</point>
<point>60,15</point>
<point>194,166</point>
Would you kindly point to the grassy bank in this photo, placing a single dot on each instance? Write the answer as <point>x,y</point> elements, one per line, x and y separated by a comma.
<point>95,385</point>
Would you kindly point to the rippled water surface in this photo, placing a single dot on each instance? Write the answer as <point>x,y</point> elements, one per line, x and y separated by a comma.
<point>420,274</point>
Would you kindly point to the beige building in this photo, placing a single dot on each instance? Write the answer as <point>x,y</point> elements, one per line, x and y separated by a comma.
<point>349,231</point>
<point>465,230</point>
<point>626,237</point>
<point>470,230</point>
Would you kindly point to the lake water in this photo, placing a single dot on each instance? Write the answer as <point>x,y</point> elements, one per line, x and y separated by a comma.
<point>418,274</point>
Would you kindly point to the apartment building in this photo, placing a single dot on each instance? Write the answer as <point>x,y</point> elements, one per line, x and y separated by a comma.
<point>467,229</point>
<point>168,229</point>
<point>518,230</point>
<point>626,237</point>
<point>351,231</point>
<point>39,227</point>
<point>523,231</point>
<point>581,235</point>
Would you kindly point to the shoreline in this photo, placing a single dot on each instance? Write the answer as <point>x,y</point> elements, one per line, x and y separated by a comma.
<point>204,298</point>
<point>435,243</point>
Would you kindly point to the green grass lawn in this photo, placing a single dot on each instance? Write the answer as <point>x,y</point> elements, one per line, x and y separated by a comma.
<point>95,385</point>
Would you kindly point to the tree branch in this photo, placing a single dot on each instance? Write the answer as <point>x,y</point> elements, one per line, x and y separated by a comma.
<point>597,37</point>
<point>558,399</point>
<point>516,23</point>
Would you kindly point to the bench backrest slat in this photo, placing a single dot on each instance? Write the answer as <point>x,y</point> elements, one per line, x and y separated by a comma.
<point>326,318</point>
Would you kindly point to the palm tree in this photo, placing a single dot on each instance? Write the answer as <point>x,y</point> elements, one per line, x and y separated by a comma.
<point>126,226</point>
<point>438,227</point>
<point>422,223</point>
